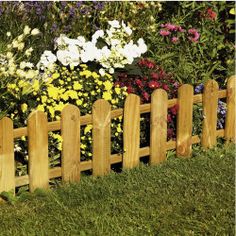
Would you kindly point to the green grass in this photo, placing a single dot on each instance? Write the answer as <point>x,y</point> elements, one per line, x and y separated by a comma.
<point>180,197</point>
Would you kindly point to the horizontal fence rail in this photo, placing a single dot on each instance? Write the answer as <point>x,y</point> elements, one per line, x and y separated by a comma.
<point>71,166</point>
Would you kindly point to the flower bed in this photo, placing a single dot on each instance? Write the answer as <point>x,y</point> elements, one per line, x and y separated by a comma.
<point>55,53</point>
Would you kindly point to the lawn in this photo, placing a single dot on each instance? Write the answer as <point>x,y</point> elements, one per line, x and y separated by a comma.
<point>180,197</point>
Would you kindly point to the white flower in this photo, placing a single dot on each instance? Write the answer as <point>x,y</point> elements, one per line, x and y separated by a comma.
<point>111,70</point>
<point>47,60</point>
<point>102,72</point>
<point>142,46</point>
<point>81,40</point>
<point>115,42</point>
<point>89,52</point>
<point>26,30</point>
<point>35,31</point>
<point>29,51</point>
<point>127,29</point>
<point>96,35</point>
<point>8,34</point>
<point>24,65</point>
<point>114,23</point>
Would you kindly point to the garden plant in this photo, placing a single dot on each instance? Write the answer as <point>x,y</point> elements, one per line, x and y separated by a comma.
<point>55,52</point>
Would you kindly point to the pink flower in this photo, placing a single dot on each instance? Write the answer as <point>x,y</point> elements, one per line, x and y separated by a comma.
<point>170,27</point>
<point>194,35</point>
<point>164,32</point>
<point>174,39</point>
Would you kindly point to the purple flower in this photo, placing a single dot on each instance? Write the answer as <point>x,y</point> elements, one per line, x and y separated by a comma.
<point>199,88</point>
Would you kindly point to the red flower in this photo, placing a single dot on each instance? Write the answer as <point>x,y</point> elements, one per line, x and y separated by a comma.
<point>210,14</point>
<point>139,83</point>
<point>165,86</point>
<point>174,109</point>
<point>154,75</point>
<point>130,89</point>
<point>146,96</point>
<point>153,84</point>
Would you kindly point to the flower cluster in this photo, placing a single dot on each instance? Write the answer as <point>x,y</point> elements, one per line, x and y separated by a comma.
<point>148,77</point>
<point>176,32</point>
<point>81,87</point>
<point>14,62</point>
<point>116,52</point>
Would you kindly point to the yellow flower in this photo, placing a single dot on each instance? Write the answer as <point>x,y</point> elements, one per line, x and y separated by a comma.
<point>36,85</point>
<point>60,106</point>
<point>24,107</point>
<point>53,92</point>
<point>55,75</point>
<point>40,107</point>
<point>108,85</point>
<point>77,86</point>
<point>106,96</point>
<point>43,99</point>
<point>88,129</point>
<point>79,102</point>
<point>117,90</point>
<point>72,94</point>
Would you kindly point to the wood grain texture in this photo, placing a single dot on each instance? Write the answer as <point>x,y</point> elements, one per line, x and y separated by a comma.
<point>7,164</point>
<point>184,121</point>
<point>70,131</point>
<point>131,131</point>
<point>210,105</point>
<point>38,150</point>
<point>101,114</point>
<point>231,110</point>
<point>158,129</point>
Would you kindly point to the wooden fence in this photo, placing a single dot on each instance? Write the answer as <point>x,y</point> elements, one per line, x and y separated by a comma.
<point>71,166</point>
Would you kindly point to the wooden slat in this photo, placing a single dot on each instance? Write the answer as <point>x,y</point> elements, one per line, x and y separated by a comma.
<point>158,129</point>
<point>38,150</point>
<point>210,104</point>
<point>131,132</point>
<point>101,137</point>
<point>231,110</point>
<point>184,121</point>
<point>7,164</point>
<point>70,131</point>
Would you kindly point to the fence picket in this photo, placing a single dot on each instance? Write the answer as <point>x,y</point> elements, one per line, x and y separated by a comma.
<point>158,129</point>
<point>184,121</point>
<point>101,137</point>
<point>70,131</point>
<point>210,104</point>
<point>231,110</point>
<point>7,164</point>
<point>131,131</point>
<point>38,150</point>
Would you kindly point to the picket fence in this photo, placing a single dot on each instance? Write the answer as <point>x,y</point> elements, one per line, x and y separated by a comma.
<point>38,127</point>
